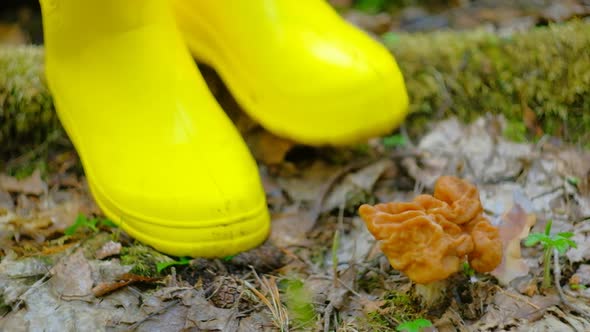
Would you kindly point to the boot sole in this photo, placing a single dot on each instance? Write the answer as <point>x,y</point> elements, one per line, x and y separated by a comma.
<point>199,238</point>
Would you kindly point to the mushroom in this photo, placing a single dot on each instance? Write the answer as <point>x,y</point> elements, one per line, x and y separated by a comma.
<point>429,238</point>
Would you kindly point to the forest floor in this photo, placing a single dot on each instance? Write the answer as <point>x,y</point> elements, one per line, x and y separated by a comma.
<point>65,267</point>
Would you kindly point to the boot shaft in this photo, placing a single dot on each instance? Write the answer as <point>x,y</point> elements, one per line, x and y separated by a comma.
<point>71,25</point>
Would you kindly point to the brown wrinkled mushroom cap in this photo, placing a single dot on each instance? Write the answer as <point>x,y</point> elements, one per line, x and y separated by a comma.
<point>431,236</point>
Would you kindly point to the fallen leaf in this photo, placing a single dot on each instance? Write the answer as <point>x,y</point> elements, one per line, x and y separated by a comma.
<point>36,229</point>
<point>310,184</point>
<point>13,267</point>
<point>44,310</point>
<point>110,248</point>
<point>379,23</point>
<point>72,277</point>
<point>515,226</point>
<point>43,224</point>
<point>289,228</point>
<point>355,183</point>
<point>108,271</point>
<point>582,239</point>
<point>6,201</point>
<point>44,307</point>
<point>370,303</point>
<point>268,148</point>
<point>583,275</point>
<point>179,309</point>
<point>31,185</point>
<point>474,151</point>
<point>56,249</point>
<point>509,308</point>
<point>104,288</point>
<point>258,321</point>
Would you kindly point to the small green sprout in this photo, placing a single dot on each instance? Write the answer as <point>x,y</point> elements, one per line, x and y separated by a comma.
<point>299,302</point>
<point>573,180</point>
<point>89,223</point>
<point>390,39</point>
<point>394,141</point>
<point>468,270</point>
<point>415,325</point>
<point>560,242</point>
<point>182,261</point>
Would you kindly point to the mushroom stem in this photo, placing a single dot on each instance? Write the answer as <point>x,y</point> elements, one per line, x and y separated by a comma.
<point>433,293</point>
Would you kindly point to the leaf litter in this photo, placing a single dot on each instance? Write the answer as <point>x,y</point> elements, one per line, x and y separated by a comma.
<point>100,279</point>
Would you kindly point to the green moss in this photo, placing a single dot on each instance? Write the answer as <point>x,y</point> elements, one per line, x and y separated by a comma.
<point>397,308</point>
<point>370,281</point>
<point>467,74</point>
<point>25,170</point>
<point>144,259</point>
<point>515,131</point>
<point>26,106</point>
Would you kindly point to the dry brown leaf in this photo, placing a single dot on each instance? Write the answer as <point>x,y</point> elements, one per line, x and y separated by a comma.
<point>56,249</point>
<point>39,225</point>
<point>512,308</point>
<point>6,201</point>
<point>72,276</point>
<point>290,228</point>
<point>582,275</point>
<point>309,186</point>
<point>370,304</point>
<point>515,226</point>
<point>35,228</point>
<point>268,148</point>
<point>355,183</point>
<point>110,248</point>
<point>182,309</point>
<point>104,288</point>
<point>31,185</point>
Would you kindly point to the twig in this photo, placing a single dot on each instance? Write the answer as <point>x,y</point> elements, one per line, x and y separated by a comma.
<point>516,297</point>
<point>582,219</point>
<point>350,289</point>
<point>550,191</point>
<point>327,313</point>
<point>33,287</point>
<point>278,311</point>
<point>336,245</point>
<point>46,277</point>
<point>562,297</point>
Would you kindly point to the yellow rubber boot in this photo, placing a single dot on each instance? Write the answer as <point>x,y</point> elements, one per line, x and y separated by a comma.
<point>162,159</point>
<point>297,67</point>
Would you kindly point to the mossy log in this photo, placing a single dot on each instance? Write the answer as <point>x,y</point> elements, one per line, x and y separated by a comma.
<point>540,78</point>
<point>27,116</point>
